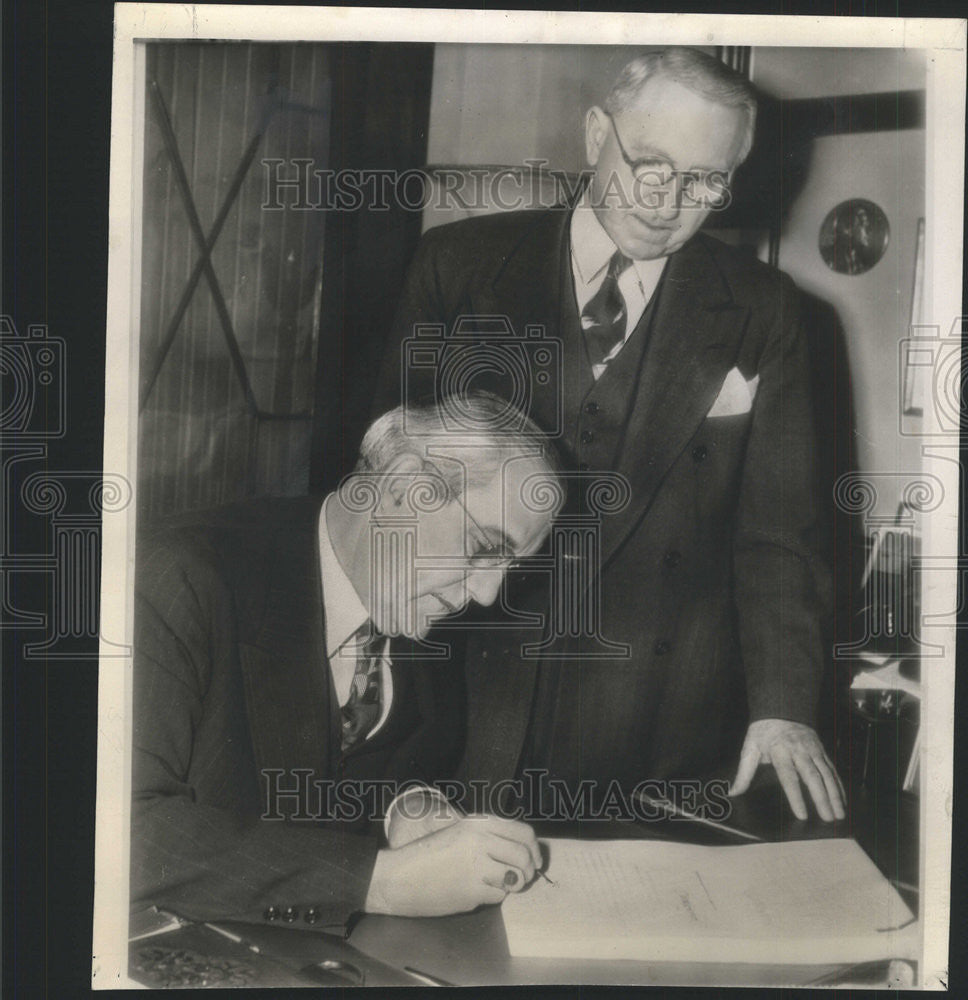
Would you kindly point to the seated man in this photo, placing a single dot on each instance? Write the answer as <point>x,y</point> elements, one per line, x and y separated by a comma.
<point>269,703</point>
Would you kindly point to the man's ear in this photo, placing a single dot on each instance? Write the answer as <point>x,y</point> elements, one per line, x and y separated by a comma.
<point>596,132</point>
<point>398,479</point>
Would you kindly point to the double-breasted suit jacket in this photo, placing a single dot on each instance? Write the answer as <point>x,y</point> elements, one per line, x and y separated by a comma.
<point>710,575</point>
<point>234,706</point>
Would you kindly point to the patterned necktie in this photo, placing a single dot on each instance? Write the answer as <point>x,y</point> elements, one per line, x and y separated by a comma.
<point>361,712</point>
<point>603,318</point>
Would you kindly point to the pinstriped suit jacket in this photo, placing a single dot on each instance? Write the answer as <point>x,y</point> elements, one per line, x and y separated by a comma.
<point>231,680</point>
<point>713,574</point>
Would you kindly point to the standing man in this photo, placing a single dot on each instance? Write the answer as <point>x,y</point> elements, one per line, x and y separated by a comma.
<point>682,367</point>
<point>278,695</point>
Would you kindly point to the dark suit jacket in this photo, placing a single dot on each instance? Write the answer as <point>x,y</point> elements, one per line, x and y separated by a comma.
<point>711,574</point>
<point>231,679</point>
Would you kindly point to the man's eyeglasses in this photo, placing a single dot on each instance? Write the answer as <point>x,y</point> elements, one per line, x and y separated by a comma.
<point>482,553</point>
<point>699,189</point>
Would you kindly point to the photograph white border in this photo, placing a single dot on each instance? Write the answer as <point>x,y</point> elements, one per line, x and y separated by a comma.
<point>944,40</point>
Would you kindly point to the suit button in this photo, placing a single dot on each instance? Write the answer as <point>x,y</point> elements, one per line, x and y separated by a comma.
<point>271,913</point>
<point>311,915</point>
<point>289,914</point>
<point>592,407</point>
<point>672,558</point>
<point>587,437</point>
<point>661,647</point>
<point>699,453</point>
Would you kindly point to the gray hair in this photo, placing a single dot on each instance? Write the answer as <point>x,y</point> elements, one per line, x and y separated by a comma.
<point>484,427</point>
<point>701,73</point>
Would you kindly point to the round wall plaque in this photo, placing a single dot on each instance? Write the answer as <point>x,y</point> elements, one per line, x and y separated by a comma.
<point>854,236</point>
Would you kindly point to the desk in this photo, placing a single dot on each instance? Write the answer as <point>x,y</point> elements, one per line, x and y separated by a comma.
<point>471,949</point>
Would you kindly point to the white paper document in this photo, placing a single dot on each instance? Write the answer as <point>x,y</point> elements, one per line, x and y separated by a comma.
<point>801,902</point>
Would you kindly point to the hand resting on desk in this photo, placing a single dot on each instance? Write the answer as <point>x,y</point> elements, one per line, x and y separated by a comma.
<point>454,868</point>
<point>796,753</point>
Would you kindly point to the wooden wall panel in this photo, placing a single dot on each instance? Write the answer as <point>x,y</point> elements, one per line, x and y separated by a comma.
<point>201,440</point>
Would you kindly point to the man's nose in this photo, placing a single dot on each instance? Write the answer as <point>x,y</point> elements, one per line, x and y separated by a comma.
<point>669,200</point>
<point>483,585</point>
<point>663,200</point>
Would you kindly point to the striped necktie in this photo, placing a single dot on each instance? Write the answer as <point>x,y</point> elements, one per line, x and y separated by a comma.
<point>362,710</point>
<point>603,318</point>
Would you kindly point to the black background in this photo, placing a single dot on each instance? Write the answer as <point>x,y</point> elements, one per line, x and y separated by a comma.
<point>57,58</point>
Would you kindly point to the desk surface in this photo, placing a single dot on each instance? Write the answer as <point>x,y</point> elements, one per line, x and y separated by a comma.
<point>471,949</point>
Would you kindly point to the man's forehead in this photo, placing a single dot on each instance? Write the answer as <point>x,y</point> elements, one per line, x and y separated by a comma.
<point>660,90</point>
<point>516,476</point>
<point>487,464</point>
<point>663,101</point>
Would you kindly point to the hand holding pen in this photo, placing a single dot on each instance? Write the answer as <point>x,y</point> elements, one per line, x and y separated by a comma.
<point>423,809</point>
<point>503,854</point>
<point>454,869</point>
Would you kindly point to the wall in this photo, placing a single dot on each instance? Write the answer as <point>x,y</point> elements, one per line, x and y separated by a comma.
<point>504,104</point>
<point>203,440</point>
<point>874,307</point>
<point>887,168</point>
<point>803,72</point>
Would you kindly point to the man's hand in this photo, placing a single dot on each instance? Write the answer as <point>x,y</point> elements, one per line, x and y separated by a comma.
<point>475,860</point>
<point>796,753</point>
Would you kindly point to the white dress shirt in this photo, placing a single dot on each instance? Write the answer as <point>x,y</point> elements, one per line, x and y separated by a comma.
<point>345,614</point>
<point>591,250</point>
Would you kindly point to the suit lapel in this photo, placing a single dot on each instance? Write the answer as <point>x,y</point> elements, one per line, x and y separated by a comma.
<point>695,335</point>
<point>533,287</point>
<point>288,689</point>
<point>497,677</point>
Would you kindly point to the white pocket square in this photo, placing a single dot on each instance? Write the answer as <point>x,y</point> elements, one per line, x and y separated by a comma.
<point>736,396</point>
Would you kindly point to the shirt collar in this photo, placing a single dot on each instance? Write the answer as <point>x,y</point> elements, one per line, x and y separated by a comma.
<point>345,612</point>
<point>592,247</point>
